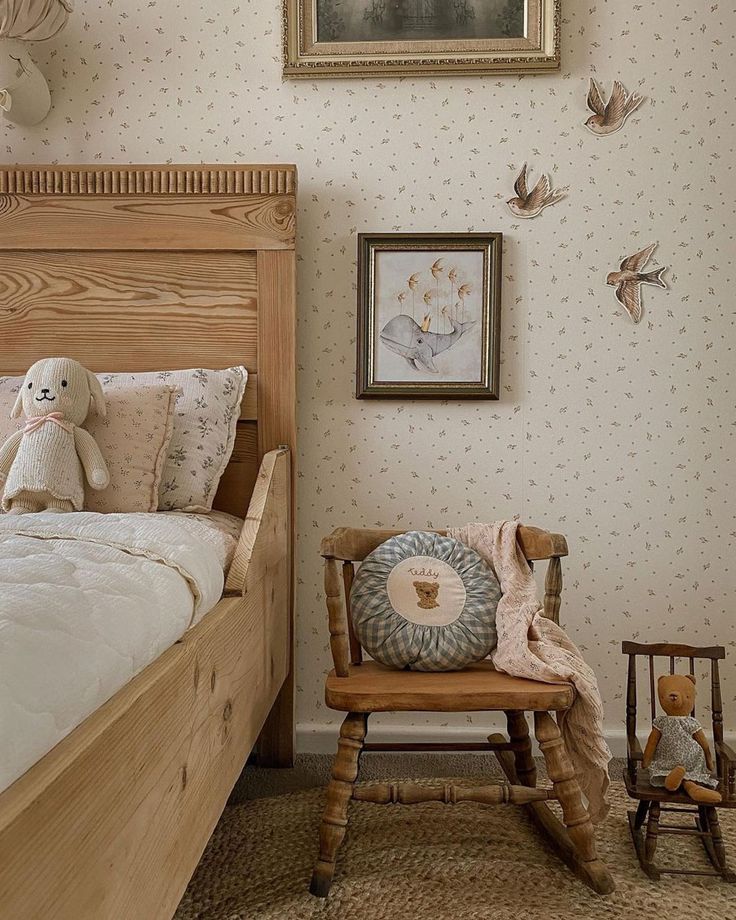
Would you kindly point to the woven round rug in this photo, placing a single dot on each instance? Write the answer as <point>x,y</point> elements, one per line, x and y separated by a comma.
<point>437,862</point>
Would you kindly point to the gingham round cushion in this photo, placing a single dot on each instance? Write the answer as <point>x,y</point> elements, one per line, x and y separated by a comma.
<point>425,602</point>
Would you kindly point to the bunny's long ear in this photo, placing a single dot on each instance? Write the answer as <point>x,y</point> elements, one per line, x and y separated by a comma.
<point>15,412</point>
<point>98,396</point>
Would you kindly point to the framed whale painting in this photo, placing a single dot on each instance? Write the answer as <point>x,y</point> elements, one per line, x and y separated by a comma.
<point>344,38</point>
<point>429,312</point>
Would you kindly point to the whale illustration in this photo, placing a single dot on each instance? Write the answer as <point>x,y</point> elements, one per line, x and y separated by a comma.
<point>406,338</point>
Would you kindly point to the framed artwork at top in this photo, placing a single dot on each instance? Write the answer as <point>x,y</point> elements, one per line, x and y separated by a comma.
<point>429,315</point>
<point>341,38</point>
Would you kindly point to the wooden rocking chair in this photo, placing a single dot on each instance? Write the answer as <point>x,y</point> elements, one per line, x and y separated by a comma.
<point>653,800</point>
<point>360,688</point>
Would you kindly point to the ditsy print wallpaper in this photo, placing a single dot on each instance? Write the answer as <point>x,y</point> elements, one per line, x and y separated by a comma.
<point>621,436</point>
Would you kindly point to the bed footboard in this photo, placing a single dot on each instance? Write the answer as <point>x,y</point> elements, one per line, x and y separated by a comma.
<point>112,822</point>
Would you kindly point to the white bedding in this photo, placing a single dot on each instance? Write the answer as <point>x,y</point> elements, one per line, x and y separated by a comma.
<point>86,602</point>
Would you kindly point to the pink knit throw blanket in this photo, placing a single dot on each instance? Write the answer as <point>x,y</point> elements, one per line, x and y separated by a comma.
<point>530,645</point>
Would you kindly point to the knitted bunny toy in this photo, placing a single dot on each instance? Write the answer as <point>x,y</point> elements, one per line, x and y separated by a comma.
<point>43,462</point>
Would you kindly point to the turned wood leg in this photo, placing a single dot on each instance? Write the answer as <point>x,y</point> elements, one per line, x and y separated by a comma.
<point>713,841</point>
<point>518,729</point>
<point>339,792</point>
<point>574,813</point>
<point>650,843</point>
<point>716,836</point>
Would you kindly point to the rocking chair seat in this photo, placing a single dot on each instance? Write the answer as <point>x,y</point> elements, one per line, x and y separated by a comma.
<point>372,687</point>
<point>641,789</point>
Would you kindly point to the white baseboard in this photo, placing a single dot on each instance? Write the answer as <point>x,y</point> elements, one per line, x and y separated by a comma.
<point>321,738</point>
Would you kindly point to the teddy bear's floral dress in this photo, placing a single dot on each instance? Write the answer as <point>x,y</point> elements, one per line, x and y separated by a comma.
<point>677,747</point>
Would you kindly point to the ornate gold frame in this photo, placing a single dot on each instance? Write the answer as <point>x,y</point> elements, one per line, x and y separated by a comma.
<point>306,58</point>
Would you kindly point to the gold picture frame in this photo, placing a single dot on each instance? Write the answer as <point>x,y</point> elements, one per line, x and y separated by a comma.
<point>429,315</point>
<point>344,38</point>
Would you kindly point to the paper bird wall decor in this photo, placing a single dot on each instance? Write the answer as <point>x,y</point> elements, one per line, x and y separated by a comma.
<point>609,117</point>
<point>629,279</point>
<point>529,204</point>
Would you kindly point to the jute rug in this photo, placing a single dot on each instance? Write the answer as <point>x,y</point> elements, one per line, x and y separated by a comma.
<point>439,862</point>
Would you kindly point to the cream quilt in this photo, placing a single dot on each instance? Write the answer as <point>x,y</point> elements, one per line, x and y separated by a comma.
<point>86,602</point>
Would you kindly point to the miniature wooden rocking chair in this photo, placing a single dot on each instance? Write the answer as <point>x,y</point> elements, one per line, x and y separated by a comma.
<point>360,688</point>
<point>653,800</point>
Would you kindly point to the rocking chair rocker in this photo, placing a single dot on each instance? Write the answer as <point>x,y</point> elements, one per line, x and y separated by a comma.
<point>653,800</point>
<point>360,688</point>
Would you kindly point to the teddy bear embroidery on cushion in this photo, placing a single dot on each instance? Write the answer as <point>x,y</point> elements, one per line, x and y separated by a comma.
<point>44,463</point>
<point>677,752</point>
<point>427,592</point>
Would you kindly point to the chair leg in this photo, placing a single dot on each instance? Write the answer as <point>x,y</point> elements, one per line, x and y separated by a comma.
<point>339,792</point>
<point>714,826</point>
<point>518,729</point>
<point>574,813</point>
<point>650,842</point>
<point>641,814</point>
<point>645,844</point>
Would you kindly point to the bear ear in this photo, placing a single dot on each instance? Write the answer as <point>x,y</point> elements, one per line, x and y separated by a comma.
<point>690,677</point>
<point>661,678</point>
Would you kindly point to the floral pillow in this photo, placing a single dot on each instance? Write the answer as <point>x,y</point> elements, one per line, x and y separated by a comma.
<point>134,439</point>
<point>205,422</point>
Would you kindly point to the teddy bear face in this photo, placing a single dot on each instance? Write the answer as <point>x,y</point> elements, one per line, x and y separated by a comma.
<point>59,385</point>
<point>676,694</point>
<point>427,592</point>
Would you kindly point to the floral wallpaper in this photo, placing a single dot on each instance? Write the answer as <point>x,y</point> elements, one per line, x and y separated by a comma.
<point>621,436</point>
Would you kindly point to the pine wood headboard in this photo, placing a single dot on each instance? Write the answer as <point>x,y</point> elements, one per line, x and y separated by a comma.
<point>133,268</point>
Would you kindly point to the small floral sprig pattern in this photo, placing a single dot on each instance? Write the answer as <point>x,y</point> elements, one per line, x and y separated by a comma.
<point>620,436</point>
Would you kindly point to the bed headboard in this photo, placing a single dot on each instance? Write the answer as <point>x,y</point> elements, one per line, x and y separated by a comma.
<point>133,268</point>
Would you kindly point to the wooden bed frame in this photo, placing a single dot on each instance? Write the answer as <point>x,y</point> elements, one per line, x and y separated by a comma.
<point>140,268</point>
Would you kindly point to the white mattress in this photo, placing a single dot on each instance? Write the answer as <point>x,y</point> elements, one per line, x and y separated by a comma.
<point>86,602</point>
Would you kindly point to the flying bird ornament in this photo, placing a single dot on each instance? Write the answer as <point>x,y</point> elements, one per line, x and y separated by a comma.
<point>529,204</point>
<point>629,279</point>
<point>609,117</point>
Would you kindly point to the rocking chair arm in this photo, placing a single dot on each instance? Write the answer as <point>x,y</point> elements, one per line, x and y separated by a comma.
<point>726,751</point>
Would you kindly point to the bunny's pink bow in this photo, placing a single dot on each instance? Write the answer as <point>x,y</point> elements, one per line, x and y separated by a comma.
<point>56,417</point>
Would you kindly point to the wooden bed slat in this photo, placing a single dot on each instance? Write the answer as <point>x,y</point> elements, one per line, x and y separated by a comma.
<point>198,222</point>
<point>130,311</point>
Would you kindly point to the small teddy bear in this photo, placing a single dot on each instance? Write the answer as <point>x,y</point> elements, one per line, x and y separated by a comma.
<point>677,752</point>
<point>46,460</point>
<point>427,592</point>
